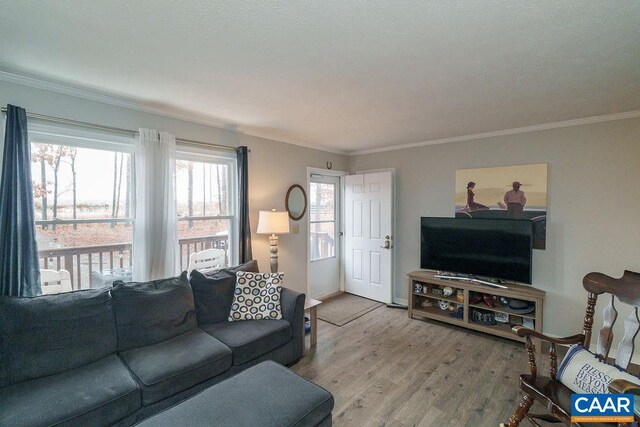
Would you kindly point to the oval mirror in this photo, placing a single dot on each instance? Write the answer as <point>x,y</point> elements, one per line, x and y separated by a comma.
<point>296,202</point>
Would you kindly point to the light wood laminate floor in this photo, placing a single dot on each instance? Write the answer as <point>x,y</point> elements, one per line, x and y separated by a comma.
<point>385,369</point>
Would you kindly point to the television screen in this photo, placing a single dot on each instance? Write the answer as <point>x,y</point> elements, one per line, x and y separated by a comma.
<point>493,248</point>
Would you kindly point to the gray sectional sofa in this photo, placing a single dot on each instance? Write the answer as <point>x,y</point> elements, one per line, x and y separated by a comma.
<point>115,356</point>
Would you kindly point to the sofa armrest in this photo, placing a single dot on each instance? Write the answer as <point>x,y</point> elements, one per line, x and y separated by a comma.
<point>292,304</point>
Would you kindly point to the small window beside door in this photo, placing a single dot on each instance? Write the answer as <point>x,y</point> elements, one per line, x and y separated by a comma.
<point>322,220</point>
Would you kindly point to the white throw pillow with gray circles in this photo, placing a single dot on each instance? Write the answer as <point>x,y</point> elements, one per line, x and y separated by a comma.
<point>257,296</point>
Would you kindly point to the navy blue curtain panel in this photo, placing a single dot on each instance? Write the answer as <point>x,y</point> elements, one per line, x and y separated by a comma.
<point>243,187</point>
<point>19,269</point>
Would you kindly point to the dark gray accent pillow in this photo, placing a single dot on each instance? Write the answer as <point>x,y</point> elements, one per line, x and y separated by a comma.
<point>151,312</point>
<point>250,266</point>
<point>50,334</point>
<point>213,292</point>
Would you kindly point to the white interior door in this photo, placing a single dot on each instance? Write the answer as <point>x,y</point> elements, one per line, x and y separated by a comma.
<point>324,229</point>
<point>368,242</point>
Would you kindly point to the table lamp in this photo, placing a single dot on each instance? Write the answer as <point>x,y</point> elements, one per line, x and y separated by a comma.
<point>274,223</point>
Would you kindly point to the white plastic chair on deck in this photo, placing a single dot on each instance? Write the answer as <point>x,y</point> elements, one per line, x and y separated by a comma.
<point>207,260</point>
<point>55,282</point>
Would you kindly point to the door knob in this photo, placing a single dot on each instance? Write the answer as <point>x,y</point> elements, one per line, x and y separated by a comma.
<point>387,242</point>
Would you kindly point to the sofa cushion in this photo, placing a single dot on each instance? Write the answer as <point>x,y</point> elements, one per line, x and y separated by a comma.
<point>100,393</point>
<point>171,366</point>
<point>151,312</point>
<point>264,395</point>
<point>250,339</point>
<point>49,334</point>
<point>257,296</point>
<point>213,292</point>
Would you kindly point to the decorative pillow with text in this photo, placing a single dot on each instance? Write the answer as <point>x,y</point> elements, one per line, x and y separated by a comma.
<point>583,372</point>
<point>257,296</point>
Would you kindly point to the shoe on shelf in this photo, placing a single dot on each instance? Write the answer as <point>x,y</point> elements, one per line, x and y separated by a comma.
<point>488,299</point>
<point>475,299</point>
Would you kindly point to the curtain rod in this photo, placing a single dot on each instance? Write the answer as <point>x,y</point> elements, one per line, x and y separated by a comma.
<point>114,129</point>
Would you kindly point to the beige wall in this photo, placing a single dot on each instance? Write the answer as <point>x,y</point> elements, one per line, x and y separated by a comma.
<point>594,203</point>
<point>593,221</point>
<point>273,166</point>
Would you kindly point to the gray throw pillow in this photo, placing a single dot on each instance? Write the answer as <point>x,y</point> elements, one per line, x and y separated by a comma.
<point>151,312</point>
<point>213,292</point>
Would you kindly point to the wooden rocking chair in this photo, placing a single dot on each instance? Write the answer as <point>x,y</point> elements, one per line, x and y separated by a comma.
<point>554,395</point>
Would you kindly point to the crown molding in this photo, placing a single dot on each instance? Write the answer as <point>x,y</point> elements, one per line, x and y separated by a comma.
<point>201,119</point>
<point>145,107</point>
<point>525,129</point>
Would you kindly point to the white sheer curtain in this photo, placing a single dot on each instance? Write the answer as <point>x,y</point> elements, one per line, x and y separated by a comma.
<point>155,236</point>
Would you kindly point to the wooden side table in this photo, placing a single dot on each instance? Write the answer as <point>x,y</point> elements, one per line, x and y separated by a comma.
<point>312,305</point>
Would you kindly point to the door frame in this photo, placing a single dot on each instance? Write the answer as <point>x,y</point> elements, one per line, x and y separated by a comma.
<point>339,174</point>
<point>394,230</point>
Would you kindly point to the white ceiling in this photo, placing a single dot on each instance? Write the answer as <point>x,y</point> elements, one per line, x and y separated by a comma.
<point>342,74</point>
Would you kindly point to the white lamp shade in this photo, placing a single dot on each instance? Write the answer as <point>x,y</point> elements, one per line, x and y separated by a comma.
<point>272,222</point>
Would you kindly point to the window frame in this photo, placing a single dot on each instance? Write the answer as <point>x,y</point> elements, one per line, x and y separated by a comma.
<point>336,186</point>
<point>71,136</point>
<point>80,261</point>
<point>186,152</point>
<point>45,132</point>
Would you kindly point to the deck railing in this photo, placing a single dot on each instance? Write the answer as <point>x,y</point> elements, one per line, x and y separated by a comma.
<point>82,262</point>
<point>322,245</point>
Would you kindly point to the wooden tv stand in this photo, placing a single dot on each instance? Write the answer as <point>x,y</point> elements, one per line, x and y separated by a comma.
<point>426,280</point>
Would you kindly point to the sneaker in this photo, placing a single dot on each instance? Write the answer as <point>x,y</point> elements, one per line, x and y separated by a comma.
<point>307,325</point>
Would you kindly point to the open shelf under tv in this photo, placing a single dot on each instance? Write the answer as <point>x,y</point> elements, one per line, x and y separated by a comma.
<point>429,282</point>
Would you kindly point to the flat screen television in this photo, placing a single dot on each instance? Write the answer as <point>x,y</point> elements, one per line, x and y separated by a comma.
<point>485,248</point>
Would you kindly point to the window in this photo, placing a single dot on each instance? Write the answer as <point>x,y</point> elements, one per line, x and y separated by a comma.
<point>84,207</point>
<point>84,198</point>
<point>322,218</point>
<point>206,204</point>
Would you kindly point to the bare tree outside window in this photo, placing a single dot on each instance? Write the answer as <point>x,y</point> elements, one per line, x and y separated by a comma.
<point>84,206</point>
<point>79,208</point>
<point>202,189</point>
